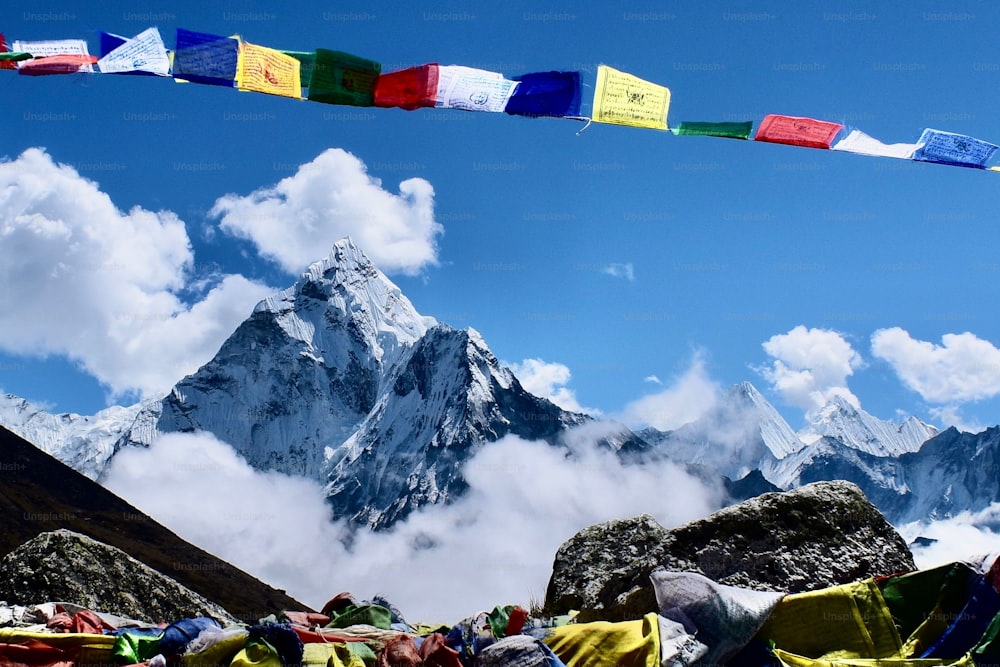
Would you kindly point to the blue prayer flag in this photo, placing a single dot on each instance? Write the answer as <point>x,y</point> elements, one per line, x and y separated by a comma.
<point>546,94</point>
<point>958,150</point>
<point>207,59</point>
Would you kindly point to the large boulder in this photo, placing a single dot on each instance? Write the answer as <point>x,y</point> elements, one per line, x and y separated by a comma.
<point>64,566</point>
<point>818,535</point>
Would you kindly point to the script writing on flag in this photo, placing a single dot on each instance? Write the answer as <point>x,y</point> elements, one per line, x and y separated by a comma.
<point>624,99</point>
<point>796,131</point>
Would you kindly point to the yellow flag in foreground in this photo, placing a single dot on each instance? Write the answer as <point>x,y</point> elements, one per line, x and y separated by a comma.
<point>624,99</point>
<point>264,70</point>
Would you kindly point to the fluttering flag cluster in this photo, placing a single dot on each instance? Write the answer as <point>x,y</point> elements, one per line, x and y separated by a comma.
<point>336,77</point>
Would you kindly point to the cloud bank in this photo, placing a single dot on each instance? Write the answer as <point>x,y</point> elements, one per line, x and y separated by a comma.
<point>495,545</point>
<point>328,199</point>
<point>81,278</point>
<point>548,380</point>
<point>688,397</point>
<point>962,368</point>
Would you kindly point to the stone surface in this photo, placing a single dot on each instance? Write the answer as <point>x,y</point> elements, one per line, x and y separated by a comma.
<point>64,566</point>
<point>819,535</point>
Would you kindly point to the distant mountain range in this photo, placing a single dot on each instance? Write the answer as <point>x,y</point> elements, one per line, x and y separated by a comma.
<point>339,379</point>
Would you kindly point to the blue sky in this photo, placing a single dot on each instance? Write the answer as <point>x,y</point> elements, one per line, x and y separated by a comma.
<point>641,271</point>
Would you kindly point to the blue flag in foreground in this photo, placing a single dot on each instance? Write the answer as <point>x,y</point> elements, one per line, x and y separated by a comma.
<point>958,150</point>
<point>546,94</point>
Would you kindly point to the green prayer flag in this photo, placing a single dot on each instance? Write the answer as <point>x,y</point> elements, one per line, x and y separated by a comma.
<point>14,56</point>
<point>727,130</point>
<point>340,78</point>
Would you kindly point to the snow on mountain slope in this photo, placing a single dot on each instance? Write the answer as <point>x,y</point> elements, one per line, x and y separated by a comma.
<point>741,432</point>
<point>304,370</point>
<point>859,430</point>
<point>444,402</point>
<point>83,443</point>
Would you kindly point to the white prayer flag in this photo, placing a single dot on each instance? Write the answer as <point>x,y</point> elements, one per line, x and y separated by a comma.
<point>143,53</point>
<point>472,89</point>
<point>859,142</point>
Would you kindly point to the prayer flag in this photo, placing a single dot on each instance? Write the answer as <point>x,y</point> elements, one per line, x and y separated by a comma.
<point>727,130</point>
<point>859,142</point>
<point>472,89</point>
<point>70,55</point>
<point>796,131</point>
<point>410,89</point>
<point>341,78</point>
<point>143,53</point>
<point>67,63</point>
<point>206,59</point>
<point>7,57</point>
<point>264,70</point>
<point>958,150</point>
<point>623,99</point>
<point>546,94</point>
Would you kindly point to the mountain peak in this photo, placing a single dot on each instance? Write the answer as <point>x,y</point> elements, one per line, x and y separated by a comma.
<point>845,421</point>
<point>346,288</point>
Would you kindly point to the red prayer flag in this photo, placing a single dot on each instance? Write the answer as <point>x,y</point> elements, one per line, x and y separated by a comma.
<point>65,63</point>
<point>797,131</point>
<point>409,89</point>
<point>4,49</point>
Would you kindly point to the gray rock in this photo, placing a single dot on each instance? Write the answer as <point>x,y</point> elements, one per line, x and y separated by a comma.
<point>818,535</point>
<point>64,566</point>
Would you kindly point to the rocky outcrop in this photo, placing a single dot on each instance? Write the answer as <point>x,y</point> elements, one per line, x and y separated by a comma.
<point>65,566</point>
<point>819,535</point>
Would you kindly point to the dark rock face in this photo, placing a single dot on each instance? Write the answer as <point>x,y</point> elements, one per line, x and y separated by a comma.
<point>819,535</point>
<point>65,566</point>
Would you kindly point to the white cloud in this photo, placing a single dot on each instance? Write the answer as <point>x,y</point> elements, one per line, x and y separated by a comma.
<point>963,368</point>
<point>810,367</point>
<point>548,380</point>
<point>969,537</point>
<point>652,379</point>
<point>80,278</point>
<point>492,546</point>
<point>626,271</point>
<point>951,415</point>
<point>684,400</point>
<point>330,198</point>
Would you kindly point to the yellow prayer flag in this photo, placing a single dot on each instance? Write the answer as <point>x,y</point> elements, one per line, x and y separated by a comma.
<point>624,99</point>
<point>264,70</point>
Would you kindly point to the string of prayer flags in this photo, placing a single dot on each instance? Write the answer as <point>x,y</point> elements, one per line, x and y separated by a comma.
<point>555,94</point>
<point>797,131</point>
<point>58,56</point>
<point>472,89</point>
<point>145,53</point>
<point>265,70</point>
<point>335,77</point>
<point>342,78</point>
<point>411,88</point>
<point>623,99</point>
<point>957,150</point>
<point>727,130</point>
<point>207,59</point>
<point>858,142</point>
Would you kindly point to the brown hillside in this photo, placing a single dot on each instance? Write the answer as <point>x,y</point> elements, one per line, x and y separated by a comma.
<point>39,493</point>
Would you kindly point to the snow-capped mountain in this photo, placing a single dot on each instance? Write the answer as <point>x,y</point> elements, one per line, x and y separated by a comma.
<point>83,443</point>
<point>861,431</point>
<point>740,432</point>
<point>339,379</point>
